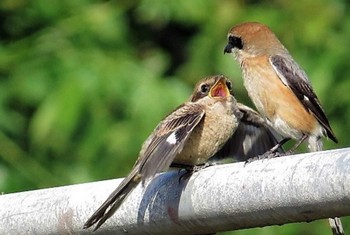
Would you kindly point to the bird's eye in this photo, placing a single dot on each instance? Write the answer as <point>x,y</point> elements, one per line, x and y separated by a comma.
<point>236,42</point>
<point>204,88</point>
<point>229,85</point>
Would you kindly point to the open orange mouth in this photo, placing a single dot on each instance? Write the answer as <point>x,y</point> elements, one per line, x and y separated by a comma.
<point>220,89</point>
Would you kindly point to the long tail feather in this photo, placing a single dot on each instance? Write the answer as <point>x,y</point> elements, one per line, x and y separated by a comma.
<point>114,200</point>
<point>315,144</point>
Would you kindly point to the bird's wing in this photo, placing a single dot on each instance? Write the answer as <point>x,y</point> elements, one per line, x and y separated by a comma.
<point>295,78</point>
<point>169,139</point>
<point>253,137</point>
<point>157,154</point>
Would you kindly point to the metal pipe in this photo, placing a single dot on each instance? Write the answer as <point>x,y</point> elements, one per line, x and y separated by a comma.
<point>277,191</point>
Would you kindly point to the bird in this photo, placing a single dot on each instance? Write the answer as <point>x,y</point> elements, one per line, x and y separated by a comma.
<point>184,137</point>
<point>278,87</point>
<point>190,135</point>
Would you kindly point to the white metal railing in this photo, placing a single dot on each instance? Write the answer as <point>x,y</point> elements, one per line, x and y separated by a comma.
<point>283,190</point>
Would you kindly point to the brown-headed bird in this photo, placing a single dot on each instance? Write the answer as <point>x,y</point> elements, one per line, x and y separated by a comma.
<point>190,135</point>
<point>278,87</point>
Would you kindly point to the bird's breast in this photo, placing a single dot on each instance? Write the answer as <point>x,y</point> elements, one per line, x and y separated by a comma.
<point>209,135</point>
<point>276,101</point>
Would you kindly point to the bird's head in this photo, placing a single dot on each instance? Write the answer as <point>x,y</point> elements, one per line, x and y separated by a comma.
<point>216,87</point>
<point>251,39</point>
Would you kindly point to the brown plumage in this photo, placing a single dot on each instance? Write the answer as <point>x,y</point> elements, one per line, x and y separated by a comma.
<point>279,88</point>
<point>190,135</point>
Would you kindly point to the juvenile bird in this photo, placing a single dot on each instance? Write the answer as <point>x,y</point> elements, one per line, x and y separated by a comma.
<point>278,87</point>
<point>190,135</point>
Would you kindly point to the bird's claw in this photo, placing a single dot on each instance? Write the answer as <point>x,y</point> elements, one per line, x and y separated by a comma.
<point>197,168</point>
<point>267,155</point>
<point>193,169</point>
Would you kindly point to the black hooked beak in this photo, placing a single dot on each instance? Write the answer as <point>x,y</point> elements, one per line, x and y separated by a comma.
<point>228,48</point>
<point>233,42</point>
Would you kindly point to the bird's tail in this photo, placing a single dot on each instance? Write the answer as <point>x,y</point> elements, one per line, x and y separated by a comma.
<point>336,226</point>
<point>114,200</point>
<point>316,144</point>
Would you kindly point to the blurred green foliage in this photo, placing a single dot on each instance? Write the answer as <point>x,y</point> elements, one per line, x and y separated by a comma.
<point>83,83</point>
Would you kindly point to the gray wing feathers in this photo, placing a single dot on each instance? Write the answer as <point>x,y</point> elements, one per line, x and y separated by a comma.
<point>157,154</point>
<point>164,147</point>
<point>253,137</point>
<point>295,78</point>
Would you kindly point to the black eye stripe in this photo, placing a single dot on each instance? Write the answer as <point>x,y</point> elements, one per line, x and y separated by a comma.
<point>235,42</point>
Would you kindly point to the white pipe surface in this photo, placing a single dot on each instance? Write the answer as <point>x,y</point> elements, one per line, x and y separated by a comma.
<point>283,190</point>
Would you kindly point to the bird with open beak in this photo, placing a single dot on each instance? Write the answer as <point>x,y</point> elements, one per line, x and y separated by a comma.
<point>190,135</point>
<point>278,87</point>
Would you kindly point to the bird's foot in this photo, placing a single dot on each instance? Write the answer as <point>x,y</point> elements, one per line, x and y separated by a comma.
<point>189,170</point>
<point>269,155</point>
<point>197,168</point>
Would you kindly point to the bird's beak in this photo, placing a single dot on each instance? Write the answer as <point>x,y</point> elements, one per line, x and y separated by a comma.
<point>219,89</point>
<point>228,48</point>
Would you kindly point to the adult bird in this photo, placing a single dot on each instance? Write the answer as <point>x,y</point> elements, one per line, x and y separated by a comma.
<point>279,88</point>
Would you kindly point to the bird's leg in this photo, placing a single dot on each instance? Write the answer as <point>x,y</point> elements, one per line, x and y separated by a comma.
<point>182,166</point>
<point>272,153</point>
<point>192,168</point>
<point>189,170</point>
<point>203,166</point>
<point>292,149</point>
<point>274,149</point>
